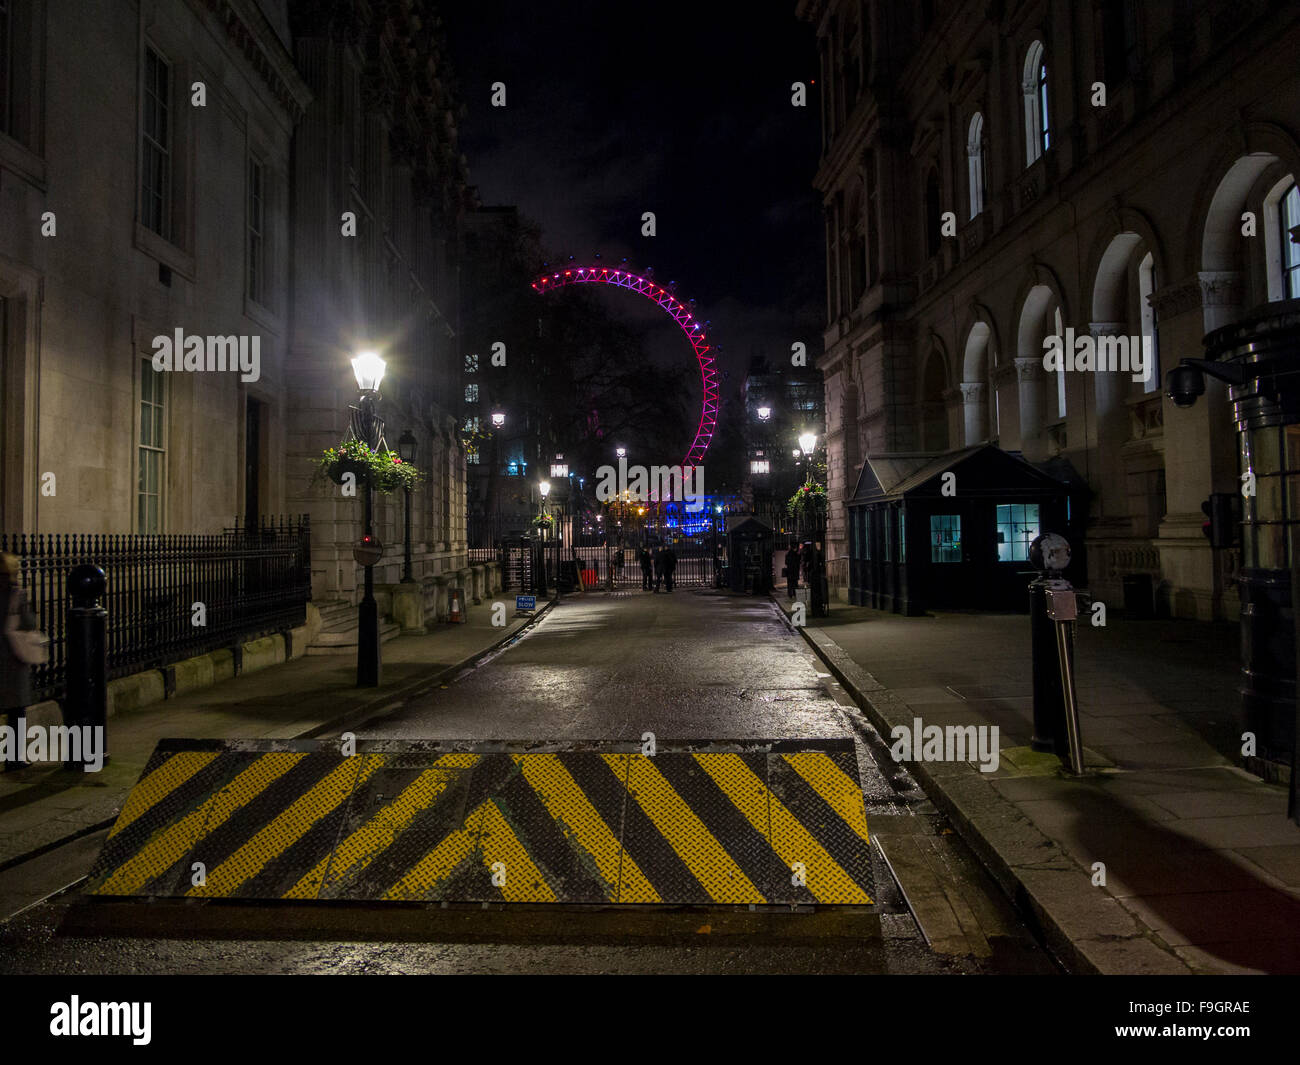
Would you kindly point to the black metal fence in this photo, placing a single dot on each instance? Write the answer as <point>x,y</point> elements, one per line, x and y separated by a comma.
<point>169,597</point>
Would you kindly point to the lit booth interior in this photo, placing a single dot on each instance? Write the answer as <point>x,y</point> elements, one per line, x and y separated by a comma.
<point>953,530</point>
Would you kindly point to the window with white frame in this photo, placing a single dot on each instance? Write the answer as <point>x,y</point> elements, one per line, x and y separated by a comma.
<point>1038,127</point>
<point>1289,220</point>
<point>977,164</point>
<point>156,141</point>
<point>1150,335</point>
<point>1060,370</point>
<point>151,449</point>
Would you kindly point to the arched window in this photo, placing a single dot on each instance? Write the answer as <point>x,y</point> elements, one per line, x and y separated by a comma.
<point>933,213</point>
<point>1288,216</point>
<point>1150,338</point>
<point>976,164</point>
<point>1038,127</point>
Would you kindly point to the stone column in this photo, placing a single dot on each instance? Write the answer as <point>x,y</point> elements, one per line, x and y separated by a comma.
<point>975,405</point>
<point>1199,444</point>
<point>1111,387</point>
<point>1029,377</point>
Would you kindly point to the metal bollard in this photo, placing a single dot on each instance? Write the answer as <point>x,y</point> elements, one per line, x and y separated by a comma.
<point>87,664</point>
<point>1063,609</point>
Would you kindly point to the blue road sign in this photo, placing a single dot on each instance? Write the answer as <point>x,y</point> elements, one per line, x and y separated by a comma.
<point>525,602</point>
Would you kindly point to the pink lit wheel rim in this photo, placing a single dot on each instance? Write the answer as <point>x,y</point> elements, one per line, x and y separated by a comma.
<point>681,314</point>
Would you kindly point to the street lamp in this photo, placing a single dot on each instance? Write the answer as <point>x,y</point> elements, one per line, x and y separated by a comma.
<point>498,419</point>
<point>807,441</point>
<point>406,452</point>
<point>764,413</point>
<point>621,452</point>
<point>368,427</point>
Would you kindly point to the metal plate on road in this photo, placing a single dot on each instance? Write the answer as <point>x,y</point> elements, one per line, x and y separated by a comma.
<point>759,822</point>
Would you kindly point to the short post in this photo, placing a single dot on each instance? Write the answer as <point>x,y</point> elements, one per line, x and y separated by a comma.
<point>1063,609</point>
<point>87,667</point>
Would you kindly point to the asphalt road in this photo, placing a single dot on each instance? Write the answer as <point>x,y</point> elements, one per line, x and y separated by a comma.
<point>688,666</point>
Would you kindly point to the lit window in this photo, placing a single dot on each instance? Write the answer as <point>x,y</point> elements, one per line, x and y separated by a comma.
<point>1060,370</point>
<point>1289,216</point>
<point>1150,336</point>
<point>902,536</point>
<point>945,537</point>
<point>471,424</point>
<point>472,458</point>
<point>471,363</point>
<point>1038,137</point>
<point>471,393</point>
<point>760,466</point>
<point>1017,527</point>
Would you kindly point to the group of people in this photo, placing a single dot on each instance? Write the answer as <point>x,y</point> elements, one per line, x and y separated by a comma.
<point>657,570</point>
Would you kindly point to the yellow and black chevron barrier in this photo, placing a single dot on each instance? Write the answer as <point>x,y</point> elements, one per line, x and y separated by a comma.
<point>774,822</point>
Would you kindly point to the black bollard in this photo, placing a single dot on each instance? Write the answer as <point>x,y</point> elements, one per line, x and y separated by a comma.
<point>87,665</point>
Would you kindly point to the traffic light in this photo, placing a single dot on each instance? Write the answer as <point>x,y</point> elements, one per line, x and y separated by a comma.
<point>1222,519</point>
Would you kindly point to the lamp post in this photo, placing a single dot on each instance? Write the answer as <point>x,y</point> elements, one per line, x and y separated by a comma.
<point>406,452</point>
<point>543,490</point>
<point>368,427</point>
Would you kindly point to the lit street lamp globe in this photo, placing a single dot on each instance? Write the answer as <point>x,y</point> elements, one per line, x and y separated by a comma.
<point>369,370</point>
<point>544,487</point>
<point>807,441</point>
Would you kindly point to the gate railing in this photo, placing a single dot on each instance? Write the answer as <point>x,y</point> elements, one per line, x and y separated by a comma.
<point>169,597</point>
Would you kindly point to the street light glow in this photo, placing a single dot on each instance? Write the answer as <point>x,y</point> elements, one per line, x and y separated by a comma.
<point>764,413</point>
<point>498,419</point>
<point>544,487</point>
<point>369,370</point>
<point>621,452</point>
<point>807,441</point>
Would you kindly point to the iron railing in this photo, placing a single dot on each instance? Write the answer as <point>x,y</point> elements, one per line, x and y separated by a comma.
<point>242,583</point>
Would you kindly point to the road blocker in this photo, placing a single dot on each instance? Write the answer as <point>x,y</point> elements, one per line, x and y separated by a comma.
<point>771,822</point>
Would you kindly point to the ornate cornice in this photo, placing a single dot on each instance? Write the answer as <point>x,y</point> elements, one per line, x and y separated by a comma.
<point>255,38</point>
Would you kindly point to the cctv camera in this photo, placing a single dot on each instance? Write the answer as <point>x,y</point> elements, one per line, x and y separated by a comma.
<point>1186,383</point>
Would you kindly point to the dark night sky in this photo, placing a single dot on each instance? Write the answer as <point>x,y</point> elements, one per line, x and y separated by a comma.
<point>678,108</point>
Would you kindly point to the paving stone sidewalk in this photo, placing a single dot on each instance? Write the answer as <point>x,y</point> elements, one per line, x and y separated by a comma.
<point>316,694</point>
<point>1202,865</point>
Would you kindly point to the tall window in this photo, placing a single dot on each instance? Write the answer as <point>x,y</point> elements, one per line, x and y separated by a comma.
<point>902,536</point>
<point>976,165</point>
<point>155,145</point>
<point>1289,219</point>
<point>257,280</point>
<point>471,363</point>
<point>866,533</point>
<point>888,525</point>
<point>1150,336</point>
<point>1038,135</point>
<point>1017,528</point>
<point>945,537</point>
<point>471,393</point>
<point>152,449</point>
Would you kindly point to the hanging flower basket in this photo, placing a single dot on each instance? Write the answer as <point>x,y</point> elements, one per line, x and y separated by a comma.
<point>546,521</point>
<point>810,499</point>
<point>386,470</point>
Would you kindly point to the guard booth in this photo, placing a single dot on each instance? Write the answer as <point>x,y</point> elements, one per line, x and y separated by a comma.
<point>749,555</point>
<point>953,530</point>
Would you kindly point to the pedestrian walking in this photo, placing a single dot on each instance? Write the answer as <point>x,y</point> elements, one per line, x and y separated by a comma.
<point>647,570</point>
<point>670,566</point>
<point>791,570</point>
<point>15,672</point>
<point>659,569</point>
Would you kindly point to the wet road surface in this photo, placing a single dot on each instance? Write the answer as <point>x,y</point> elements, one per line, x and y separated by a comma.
<point>690,666</point>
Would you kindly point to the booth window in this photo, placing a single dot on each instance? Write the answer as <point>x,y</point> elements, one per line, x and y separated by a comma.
<point>902,536</point>
<point>945,537</point>
<point>889,539</point>
<point>1017,527</point>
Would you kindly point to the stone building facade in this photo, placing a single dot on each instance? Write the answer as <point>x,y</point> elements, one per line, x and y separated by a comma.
<point>133,137</point>
<point>187,165</point>
<point>376,156</point>
<point>995,174</point>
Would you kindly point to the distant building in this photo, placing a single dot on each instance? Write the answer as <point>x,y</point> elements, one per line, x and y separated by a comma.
<point>780,405</point>
<point>982,197</point>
